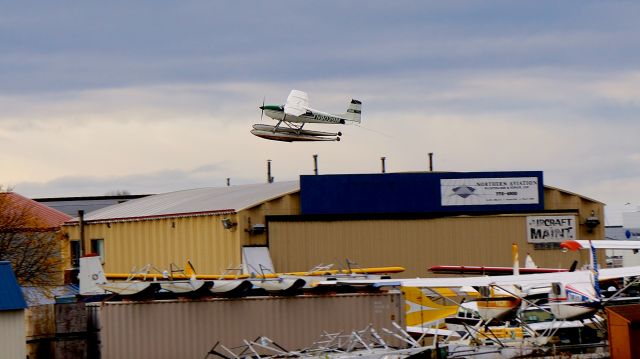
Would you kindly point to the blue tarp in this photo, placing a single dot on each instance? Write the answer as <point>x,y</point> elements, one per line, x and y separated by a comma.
<point>10,293</point>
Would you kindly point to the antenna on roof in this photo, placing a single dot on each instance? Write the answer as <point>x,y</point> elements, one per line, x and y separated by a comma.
<point>430,161</point>
<point>269,177</point>
<point>315,165</point>
<point>383,167</point>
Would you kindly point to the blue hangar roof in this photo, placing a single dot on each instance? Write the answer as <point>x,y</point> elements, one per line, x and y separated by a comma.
<point>10,293</point>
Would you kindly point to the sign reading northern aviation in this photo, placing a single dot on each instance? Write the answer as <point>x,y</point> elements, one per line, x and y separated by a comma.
<point>489,191</point>
<point>546,229</point>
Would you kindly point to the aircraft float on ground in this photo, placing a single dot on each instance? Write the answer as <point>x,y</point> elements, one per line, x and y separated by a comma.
<point>93,280</point>
<point>295,113</point>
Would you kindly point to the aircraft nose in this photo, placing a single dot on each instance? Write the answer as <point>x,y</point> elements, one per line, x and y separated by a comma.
<point>261,107</point>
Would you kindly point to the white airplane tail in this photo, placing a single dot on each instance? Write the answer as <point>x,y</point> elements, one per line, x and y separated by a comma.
<point>354,111</point>
<point>91,274</point>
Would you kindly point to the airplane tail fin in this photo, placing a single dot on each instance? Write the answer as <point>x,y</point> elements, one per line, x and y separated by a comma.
<point>354,111</point>
<point>91,274</point>
<point>189,270</point>
<point>595,269</point>
<point>516,260</point>
<point>529,263</point>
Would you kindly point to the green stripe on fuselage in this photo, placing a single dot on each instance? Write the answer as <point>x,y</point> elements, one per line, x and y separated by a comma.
<point>273,107</point>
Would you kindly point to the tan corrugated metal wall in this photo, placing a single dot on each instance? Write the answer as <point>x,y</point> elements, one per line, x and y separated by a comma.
<point>188,329</point>
<point>162,241</point>
<point>12,341</point>
<point>414,244</point>
<point>556,199</point>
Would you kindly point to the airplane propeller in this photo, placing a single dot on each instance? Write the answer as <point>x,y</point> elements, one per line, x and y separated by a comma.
<point>262,109</point>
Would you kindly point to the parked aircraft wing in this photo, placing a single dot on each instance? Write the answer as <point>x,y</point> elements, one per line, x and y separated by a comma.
<point>525,281</point>
<point>601,244</point>
<point>623,272</point>
<point>297,103</point>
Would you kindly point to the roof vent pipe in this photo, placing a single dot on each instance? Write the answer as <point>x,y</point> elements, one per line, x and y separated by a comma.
<point>269,178</point>
<point>83,247</point>
<point>431,161</point>
<point>315,165</point>
<point>383,167</point>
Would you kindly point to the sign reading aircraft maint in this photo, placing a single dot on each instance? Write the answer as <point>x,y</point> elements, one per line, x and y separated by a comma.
<point>547,229</point>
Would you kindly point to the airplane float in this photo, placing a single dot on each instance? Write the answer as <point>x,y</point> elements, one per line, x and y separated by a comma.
<point>295,113</point>
<point>93,280</point>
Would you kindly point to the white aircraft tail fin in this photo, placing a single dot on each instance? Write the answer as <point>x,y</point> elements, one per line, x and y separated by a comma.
<point>354,111</point>
<point>91,274</point>
<point>529,263</point>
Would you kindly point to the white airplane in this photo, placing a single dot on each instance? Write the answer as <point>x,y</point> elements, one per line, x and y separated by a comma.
<point>295,113</point>
<point>571,294</point>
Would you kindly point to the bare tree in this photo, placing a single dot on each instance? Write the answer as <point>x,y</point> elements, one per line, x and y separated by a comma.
<point>28,243</point>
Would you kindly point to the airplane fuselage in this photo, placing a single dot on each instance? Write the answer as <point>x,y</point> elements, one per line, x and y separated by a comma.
<point>276,112</point>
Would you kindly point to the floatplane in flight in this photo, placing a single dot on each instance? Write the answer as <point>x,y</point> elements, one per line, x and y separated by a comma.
<point>296,113</point>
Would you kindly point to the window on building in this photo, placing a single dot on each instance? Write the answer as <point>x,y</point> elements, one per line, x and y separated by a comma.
<point>97,247</point>
<point>74,250</point>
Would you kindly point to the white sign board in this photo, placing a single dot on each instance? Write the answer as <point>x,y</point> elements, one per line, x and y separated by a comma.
<point>489,191</point>
<point>547,229</point>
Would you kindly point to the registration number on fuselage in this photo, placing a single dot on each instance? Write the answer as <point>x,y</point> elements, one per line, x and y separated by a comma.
<point>325,118</point>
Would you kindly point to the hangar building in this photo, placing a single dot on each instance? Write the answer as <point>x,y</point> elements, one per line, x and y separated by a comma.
<point>414,220</point>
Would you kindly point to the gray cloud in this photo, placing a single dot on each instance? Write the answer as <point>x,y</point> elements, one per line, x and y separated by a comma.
<point>209,175</point>
<point>53,47</point>
<point>153,96</point>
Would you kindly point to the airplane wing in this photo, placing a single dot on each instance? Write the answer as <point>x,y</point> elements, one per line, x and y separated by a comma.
<point>623,272</point>
<point>297,103</point>
<point>525,281</point>
<point>601,244</point>
<point>482,270</point>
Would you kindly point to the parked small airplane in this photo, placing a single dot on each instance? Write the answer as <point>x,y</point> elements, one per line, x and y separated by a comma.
<point>295,113</point>
<point>571,294</point>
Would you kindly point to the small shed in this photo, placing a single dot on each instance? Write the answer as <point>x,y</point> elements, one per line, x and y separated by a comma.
<point>12,305</point>
<point>624,331</point>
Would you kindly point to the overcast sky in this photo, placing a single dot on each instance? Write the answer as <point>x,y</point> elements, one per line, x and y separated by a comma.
<point>155,96</point>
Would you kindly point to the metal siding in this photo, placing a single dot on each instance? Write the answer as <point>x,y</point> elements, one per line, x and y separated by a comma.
<point>413,244</point>
<point>557,199</point>
<point>397,193</point>
<point>201,239</point>
<point>188,329</point>
<point>12,341</point>
<point>159,242</point>
<point>192,201</point>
